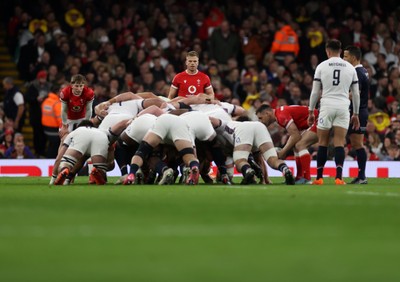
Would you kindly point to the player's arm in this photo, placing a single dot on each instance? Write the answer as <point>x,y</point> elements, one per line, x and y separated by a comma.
<point>64,118</point>
<point>126,96</point>
<point>210,92</point>
<point>89,109</point>
<point>145,95</point>
<point>294,137</point>
<point>153,110</point>
<point>152,102</point>
<point>356,105</point>
<point>172,92</point>
<point>315,93</point>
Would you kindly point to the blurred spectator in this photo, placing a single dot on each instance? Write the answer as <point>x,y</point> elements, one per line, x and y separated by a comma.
<point>6,142</point>
<point>30,55</point>
<point>14,107</point>
<point>392,153</point>
<point>38,91</point>
<point>381,121</point>
<point>51,121</point>
<point>19,151</point>
<point>285,41</point>
<point>213,20</point>
<point>372,56</point>
<point>375,144</point>
<point>224,44</point>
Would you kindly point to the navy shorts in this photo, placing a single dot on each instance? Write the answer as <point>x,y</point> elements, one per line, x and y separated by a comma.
<point>363,117</point>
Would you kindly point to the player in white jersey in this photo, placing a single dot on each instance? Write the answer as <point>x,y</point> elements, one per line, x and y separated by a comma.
<point>335,77</point>
<point>87,140</point>
<point>244,136</point>
<point>129,141</point>
<point>169,129</point>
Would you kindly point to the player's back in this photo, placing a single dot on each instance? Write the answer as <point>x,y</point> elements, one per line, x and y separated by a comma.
<point>130,107</point>
<point>336,76</point>
<point>285,115</point>
<point>363,81</point>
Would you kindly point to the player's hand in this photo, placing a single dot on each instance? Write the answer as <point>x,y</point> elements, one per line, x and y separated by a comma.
<point>63,132</point>
<point>311,119</point>
<point>355,121</point>
<point>101,109</point>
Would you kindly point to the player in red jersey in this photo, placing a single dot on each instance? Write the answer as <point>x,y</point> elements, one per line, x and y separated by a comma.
<point>191,81</point>
<point>301,136</point>
<point>76,104</point>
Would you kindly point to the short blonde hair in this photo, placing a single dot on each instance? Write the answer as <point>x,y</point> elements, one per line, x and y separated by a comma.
<point>192,54</point>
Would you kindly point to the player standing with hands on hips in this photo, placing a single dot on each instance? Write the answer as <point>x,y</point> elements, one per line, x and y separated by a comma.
<point>335,77</point>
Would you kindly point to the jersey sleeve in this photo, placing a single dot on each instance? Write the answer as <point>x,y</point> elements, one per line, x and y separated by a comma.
<point>175,81</point>
<point>89,94</point>
<point>64,95</point>
<point>283,118</point>
<point>207,80</point>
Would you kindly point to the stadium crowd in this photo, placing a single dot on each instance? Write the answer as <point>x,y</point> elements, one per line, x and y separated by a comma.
<point>132,46</point>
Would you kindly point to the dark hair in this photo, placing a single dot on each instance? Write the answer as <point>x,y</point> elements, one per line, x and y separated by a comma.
<point>243,118</point>
<point>263,107</point>
<point>333,44</point>
<point>85,122</point>
<point>354,51</point>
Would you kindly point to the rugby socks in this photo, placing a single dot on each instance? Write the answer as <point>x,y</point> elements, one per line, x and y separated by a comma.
<point>362,162</point>
<point>219,159</point>
<point>305,160</point>
<point>339,160</point>
<point>299,166</point>
<point>322,156</point>
<point>283,167</point>
<point>124,170</point>
<point>160,167</point>
<point>244,169</point>
<point>194,163</point>
<point>134,168</point>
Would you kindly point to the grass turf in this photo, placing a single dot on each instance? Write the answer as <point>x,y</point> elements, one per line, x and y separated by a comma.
<point>204,233</point>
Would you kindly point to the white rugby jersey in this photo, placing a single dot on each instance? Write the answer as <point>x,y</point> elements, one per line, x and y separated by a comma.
<point>335,77</point>
<point>130,107</point>
<point>222,112</point>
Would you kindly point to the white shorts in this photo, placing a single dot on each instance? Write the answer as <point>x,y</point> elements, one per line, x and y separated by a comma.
<point>140,126</point>
<point>251,133</point>
<point>112,119</point>
<point>171,128</point>
<point>89,141</point>
<point>200,125</point>
<point>329,117</point>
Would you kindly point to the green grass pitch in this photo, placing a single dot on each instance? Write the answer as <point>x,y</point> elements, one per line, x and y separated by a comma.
<point>204,233</point>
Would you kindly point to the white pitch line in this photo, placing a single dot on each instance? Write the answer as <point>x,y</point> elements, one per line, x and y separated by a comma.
<point>366,193</point>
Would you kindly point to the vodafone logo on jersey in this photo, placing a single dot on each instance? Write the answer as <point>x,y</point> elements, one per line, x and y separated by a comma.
<point>192,89</point>
<point>23,168</point>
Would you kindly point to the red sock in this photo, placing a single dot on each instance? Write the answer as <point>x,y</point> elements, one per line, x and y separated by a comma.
<point>305,163</point>
<point>299,167</point>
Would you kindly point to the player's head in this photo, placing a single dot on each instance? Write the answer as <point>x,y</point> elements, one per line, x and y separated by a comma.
<point>85,123</point>
<point>265,114</point>
<point>352,54</point>
<point>192,61</point>
<point>78,81</point>
<point>333,47</point>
